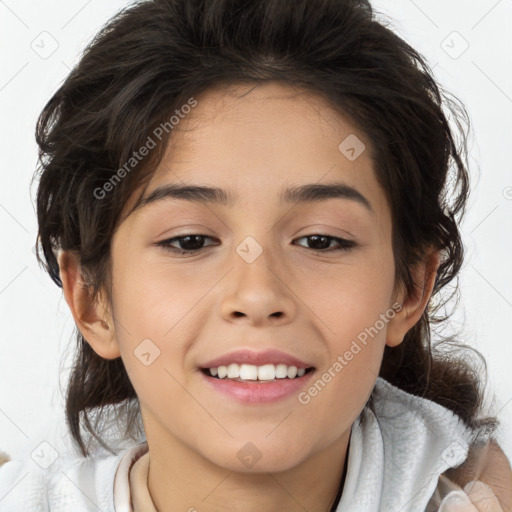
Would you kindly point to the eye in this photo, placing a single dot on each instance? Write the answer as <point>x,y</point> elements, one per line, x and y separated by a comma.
<point>194,242</point>
<point>321,243</point>
<point>190,244</point>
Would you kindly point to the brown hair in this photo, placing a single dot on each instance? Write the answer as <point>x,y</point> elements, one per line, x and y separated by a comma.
<point>152,57</point>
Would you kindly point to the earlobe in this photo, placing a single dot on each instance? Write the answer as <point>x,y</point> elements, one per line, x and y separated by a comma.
<point>91,317</point>
<point>414,304</point>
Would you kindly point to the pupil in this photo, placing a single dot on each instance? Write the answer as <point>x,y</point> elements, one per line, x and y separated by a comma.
<point>316,238</point>
<point>195,244</point>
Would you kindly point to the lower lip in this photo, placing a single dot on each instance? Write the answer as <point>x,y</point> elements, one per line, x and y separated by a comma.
<point>256,392</point>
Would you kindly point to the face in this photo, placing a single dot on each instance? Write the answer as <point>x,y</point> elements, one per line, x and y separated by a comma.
<point>313,279</point>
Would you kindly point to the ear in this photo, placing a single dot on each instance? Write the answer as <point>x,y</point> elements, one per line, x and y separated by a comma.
<point>92,318</point>
<point>424,276</point>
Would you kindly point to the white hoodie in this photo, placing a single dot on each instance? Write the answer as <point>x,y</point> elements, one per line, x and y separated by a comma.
<point>399,447</point>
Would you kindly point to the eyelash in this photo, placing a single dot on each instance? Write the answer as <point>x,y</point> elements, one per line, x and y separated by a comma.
<point>343,244</point>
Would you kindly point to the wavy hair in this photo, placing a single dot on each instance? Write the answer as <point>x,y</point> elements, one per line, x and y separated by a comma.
<point>153,56</point>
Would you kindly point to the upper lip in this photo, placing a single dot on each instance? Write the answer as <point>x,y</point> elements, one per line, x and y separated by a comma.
<point>245,356</point>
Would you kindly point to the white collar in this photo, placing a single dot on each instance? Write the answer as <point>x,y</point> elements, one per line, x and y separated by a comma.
<point>122,493</point>
<point>400,445</point>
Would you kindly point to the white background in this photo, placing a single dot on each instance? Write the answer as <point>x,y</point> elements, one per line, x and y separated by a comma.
<point>36,325</point>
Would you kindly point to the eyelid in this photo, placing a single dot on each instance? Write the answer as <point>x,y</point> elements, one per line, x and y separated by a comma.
<point>166,242</point>
<point>343,244</point>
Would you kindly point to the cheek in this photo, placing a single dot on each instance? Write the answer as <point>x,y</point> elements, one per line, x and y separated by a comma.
<point>353,299</point>
<point>355,315</point>
<point>154,301</point>
<point>152,326</point>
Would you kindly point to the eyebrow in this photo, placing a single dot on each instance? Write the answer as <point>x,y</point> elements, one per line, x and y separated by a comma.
<point>313,192</point>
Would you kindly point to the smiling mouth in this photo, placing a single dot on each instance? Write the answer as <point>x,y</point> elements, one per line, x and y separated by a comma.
<point>256,374</point>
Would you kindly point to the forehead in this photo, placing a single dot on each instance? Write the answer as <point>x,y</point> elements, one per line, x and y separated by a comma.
<point>258,141</point>
<point>268,121</point>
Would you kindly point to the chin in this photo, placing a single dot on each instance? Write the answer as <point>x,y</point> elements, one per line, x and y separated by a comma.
<point>250,458</point>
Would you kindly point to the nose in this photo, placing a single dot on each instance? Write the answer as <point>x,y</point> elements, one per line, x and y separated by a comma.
<point>258,291</point>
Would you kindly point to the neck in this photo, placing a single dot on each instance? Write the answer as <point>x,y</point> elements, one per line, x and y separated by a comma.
<point>179,479</point>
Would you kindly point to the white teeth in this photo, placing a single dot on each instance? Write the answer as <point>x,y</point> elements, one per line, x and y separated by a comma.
<point>292,372</point>
<point>233,371</point>
<point>266,372</point>
<point>248,372</point>
<point>281,371</point>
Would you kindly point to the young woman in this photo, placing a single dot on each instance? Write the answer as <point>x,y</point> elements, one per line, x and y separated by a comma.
<point>251,208</point>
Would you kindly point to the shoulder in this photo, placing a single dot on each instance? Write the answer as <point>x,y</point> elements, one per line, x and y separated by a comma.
<point>431,443</point>
<point>488,463</point>
<point>412,440</point>
<point>69,483</point>
<point>22,486</point>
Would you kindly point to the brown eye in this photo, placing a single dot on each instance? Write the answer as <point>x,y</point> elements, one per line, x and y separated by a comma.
<point>323,243</point>
<point>187,244</point>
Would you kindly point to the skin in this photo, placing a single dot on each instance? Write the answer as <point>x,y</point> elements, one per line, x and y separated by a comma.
<point>255,145</point>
